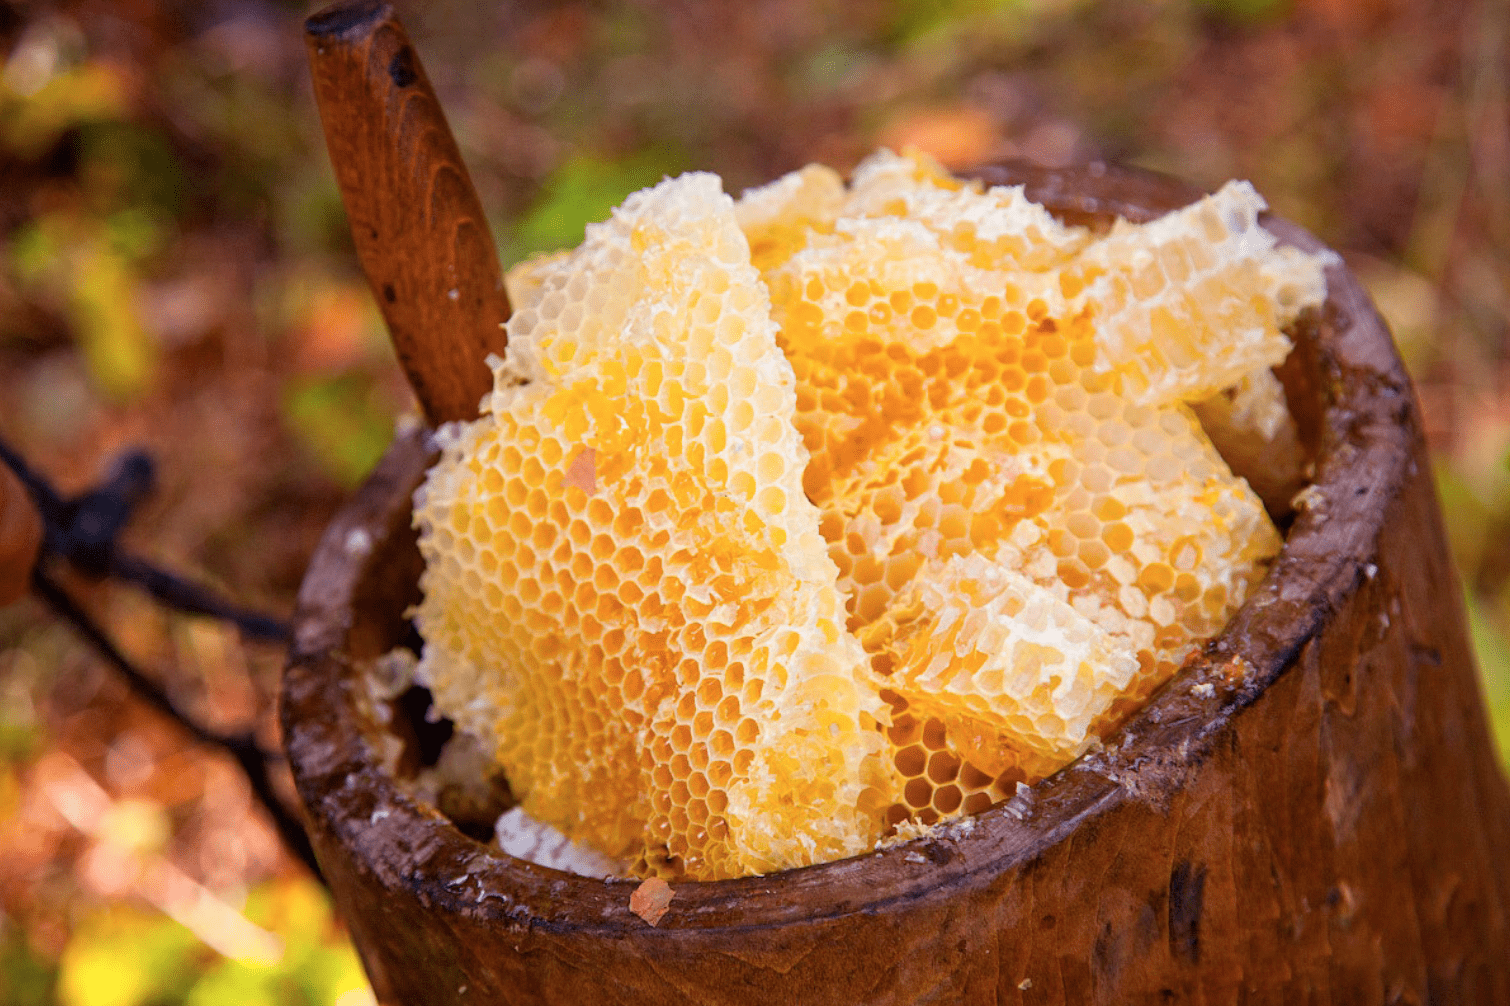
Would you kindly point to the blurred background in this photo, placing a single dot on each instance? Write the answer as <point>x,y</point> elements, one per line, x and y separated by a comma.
<point>175,273</point>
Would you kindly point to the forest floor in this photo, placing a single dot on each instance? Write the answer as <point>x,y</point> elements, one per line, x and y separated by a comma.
<point>176,274</point>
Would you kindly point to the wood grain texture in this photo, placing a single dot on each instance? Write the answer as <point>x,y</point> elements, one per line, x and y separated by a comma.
<point>419,229</point>
<point>1311,811</point>
<point>20,537</point>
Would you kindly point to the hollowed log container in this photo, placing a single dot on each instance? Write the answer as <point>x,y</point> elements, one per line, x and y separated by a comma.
<point>1311,811</point>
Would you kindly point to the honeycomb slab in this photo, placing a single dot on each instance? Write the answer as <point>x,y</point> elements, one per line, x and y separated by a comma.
<point>843,509</point>
<point>627,591</point>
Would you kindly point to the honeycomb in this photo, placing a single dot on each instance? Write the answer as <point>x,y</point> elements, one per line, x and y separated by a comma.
<point>991,655</point>
<point>1194,302</point>
<point>626,591</point>
<point>831,513</point>
<point>1251,426</point>
<point>965,397</point>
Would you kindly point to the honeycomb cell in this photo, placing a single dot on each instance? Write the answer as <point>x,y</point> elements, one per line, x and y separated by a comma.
<point>987,652</point>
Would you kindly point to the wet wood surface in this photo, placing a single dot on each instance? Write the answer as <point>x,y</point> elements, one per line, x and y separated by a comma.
<point>420,232</point>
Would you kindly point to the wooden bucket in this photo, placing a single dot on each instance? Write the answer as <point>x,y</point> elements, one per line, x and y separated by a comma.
<point>1310,811</point>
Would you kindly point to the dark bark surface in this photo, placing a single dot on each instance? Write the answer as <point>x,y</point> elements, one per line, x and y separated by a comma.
<point>1309,812</point>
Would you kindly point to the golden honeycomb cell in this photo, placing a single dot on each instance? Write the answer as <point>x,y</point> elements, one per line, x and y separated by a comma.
<point>1014,673</point>
<point>840,511</point>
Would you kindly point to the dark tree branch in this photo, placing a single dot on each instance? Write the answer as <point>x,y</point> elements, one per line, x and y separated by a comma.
<point>194,599</point>
<point>82,532</point>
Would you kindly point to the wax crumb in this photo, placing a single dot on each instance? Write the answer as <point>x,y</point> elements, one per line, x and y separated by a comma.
<point>358,543</point>
<point>583,471</point>
<point>1237,669</point>
<point>651,900</point>
<point>1309,498</point>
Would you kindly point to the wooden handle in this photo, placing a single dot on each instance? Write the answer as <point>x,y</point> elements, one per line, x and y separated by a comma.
<point>419,228</point>
<point>20,536</point>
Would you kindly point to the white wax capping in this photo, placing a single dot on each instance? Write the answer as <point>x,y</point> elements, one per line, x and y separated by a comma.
<point>520,835</point>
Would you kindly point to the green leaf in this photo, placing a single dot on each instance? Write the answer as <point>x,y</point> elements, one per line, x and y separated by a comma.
<point>86,268</point>
<point>1245,12</point>
<point>31,123</point>
<point>125,164</point>
<point>121,354</point>
<point>35,248</point>
<point>236,984</point>
<point>299,910</point>
<point>935,22</point>
<point>25,978</point>
<point>122,957</point>
<point>318,961</point>
<point>333,976</point>
<point>133,233</point>
<point>1466,516</point>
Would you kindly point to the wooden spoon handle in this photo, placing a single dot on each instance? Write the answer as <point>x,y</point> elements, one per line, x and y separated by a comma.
<point>419,228</point>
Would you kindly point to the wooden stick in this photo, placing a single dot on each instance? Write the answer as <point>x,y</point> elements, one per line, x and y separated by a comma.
<point>419,228</point>
<point>20,537</point>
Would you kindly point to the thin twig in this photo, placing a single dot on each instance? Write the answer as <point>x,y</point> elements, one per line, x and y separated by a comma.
<point>187,596</point>
<point>48,503</point>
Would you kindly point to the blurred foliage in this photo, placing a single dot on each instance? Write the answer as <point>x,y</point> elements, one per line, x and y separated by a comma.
<point>581,191</point>
<point>31,121</point>
<point>1493,648</point>
<point>120,956</point>
<point>1249,12</point>
<point>175,270</point>
<point>85,260</point>
<point>936,21</point>
<point>26,978</point>
<point>86,266</point>
<point>339,421</point>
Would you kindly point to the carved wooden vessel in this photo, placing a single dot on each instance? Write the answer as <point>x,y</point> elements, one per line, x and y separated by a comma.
<point>1310,812</point>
